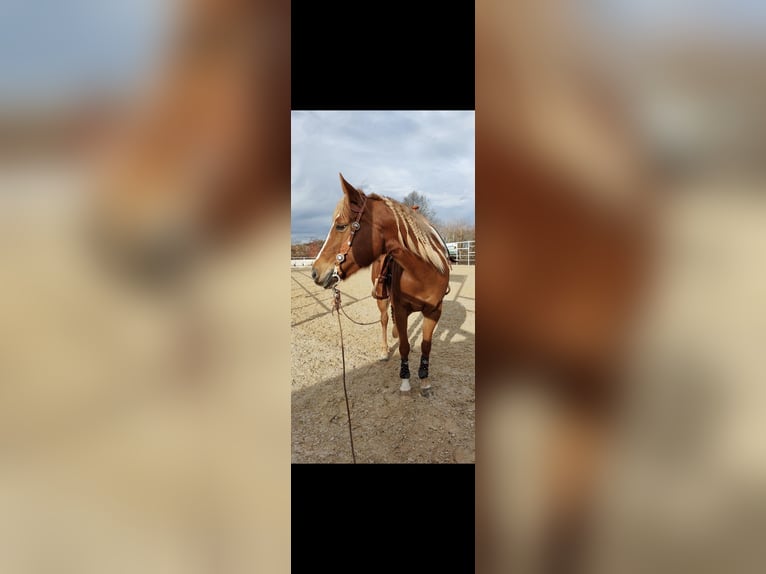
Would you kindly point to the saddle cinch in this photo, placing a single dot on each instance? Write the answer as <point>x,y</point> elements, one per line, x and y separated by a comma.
<point>383,282</point>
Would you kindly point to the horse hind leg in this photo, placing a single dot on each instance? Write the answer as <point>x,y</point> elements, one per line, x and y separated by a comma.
<point>383,308</point>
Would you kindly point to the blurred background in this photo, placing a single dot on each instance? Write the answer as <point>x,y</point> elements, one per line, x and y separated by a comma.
<point>144,155</point>
<point>620,155</point>
<point>144,197</point>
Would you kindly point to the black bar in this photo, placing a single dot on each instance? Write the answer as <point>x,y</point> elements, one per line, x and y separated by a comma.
<point>382,56</point>
<point>396,517</point>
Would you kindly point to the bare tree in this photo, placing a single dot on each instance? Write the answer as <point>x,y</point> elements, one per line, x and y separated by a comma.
<point>458,231</point>
<point>414,198</point>
<point>307,248</point>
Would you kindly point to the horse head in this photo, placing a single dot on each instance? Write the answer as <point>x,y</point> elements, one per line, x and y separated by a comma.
<point>353,241</point>
<point>197,157</point>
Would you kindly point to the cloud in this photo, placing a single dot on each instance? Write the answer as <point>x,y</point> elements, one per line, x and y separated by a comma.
<point>390,152</point>
<point>645,20</point>
<point>55,48</point>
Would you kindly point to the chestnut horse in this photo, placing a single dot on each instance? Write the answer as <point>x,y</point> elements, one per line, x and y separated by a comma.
<point>193,164</point>
<point>381,283</point>
<point>366,228</point>
<point>199,155</point>
<point>570,187</point>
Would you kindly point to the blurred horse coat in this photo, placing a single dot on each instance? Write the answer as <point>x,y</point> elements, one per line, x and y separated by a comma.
<point>201,152</point>
<point>563,176</point>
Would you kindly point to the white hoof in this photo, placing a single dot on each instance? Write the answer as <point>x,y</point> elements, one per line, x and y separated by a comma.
<point>405,388</point>
<point>383,356</point>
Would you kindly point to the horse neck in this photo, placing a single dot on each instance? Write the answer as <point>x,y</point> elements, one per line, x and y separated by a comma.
<point>408,260</point>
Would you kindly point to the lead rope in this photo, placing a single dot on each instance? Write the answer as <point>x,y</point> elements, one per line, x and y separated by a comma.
<point>357,322</point>
<point>381,277</point>
<point>336,307</point>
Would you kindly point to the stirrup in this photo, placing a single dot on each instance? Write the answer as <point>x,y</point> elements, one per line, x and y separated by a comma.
<point>379,297</point>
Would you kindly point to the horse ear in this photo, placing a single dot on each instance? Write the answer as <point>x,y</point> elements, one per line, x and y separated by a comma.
<point>353,194</point>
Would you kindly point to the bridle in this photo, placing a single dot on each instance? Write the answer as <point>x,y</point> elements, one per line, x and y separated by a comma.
<point>341,256</point>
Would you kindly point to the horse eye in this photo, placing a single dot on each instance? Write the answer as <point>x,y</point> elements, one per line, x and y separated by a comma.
<point>341,227</point>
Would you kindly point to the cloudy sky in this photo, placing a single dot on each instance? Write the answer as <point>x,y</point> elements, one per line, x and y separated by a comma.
<point>390,152</point>
<point>717,16</point>
<point>56,49</point>
<point>50,47</point>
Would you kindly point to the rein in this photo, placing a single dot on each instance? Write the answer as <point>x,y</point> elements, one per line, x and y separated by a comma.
<point>338,274</point>
<point>337,306</point>
<point>383,279</point>
<point>350,319</point>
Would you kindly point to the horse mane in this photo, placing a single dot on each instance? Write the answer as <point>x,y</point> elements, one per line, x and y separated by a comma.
<point>416,234</point>
<point>342,211</point>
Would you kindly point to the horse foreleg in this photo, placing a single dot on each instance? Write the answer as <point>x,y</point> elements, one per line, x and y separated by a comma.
<point>573,470</point>
<point>394,330</point>
<point>383,308</point>
<point>429,324</point>
<point>400,320</point>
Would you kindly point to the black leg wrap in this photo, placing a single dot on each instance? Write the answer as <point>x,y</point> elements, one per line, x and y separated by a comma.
<point>423,370</point>
<point>404,371</point>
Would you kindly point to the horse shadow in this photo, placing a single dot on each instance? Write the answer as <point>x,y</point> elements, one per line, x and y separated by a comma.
<point>388,426</point>
<point>449,327</point>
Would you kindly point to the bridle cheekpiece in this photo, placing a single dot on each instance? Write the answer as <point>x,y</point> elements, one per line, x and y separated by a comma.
<point>341,256</point>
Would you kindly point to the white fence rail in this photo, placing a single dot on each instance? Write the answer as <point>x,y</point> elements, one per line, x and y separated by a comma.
<point>463,251</point>
<point>301,262</point>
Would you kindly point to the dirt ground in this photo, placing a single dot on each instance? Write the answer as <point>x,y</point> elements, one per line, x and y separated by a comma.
<point>684,489</point>
<point>388,427</point>
<point>117,452</point>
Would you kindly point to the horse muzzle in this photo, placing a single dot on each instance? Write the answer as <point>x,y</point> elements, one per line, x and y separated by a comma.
<point>150,259</point>
<point>327,280</point>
